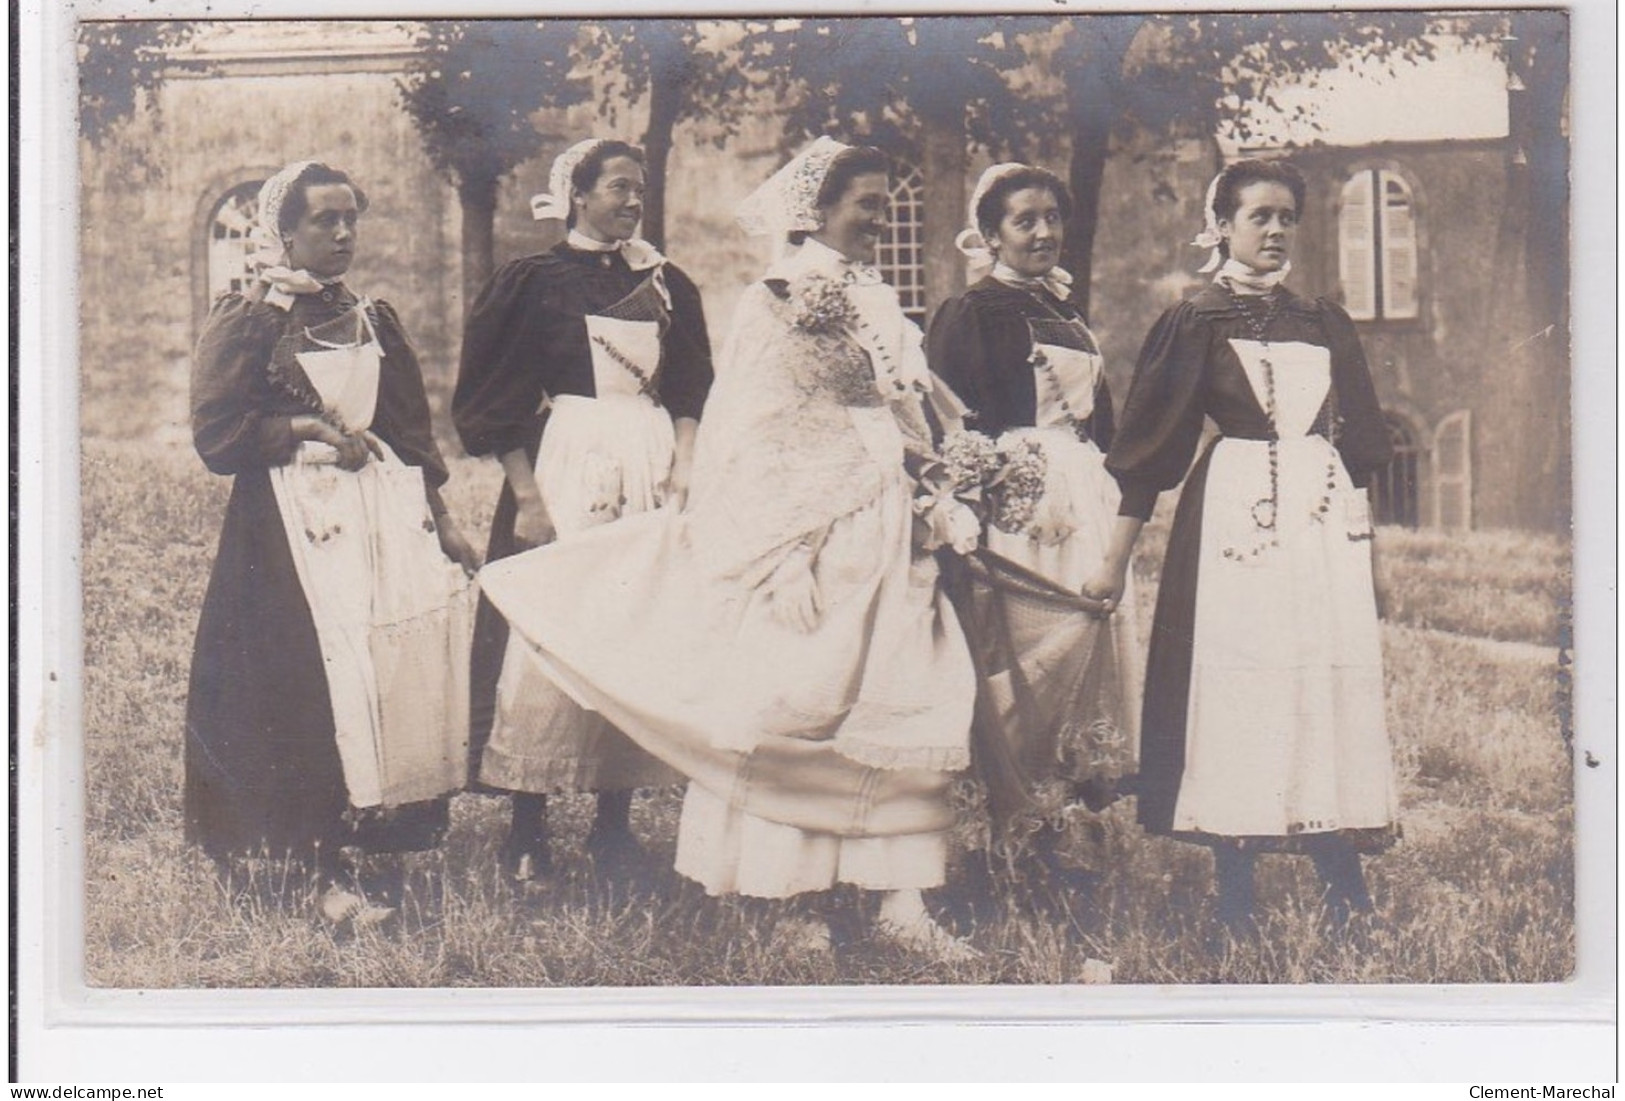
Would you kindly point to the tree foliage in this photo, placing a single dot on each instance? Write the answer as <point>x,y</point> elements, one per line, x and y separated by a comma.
<point>885,79</point>
<point>1014,84</point>
<point>122,65</point>
<point>687,70</point>
<point>473,91</point>
<point>475,87</point>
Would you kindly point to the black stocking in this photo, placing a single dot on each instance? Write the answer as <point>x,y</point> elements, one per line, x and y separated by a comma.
<point>1233,868</point>
<point>614,814</point>
<point>1339,868</point>
<point>528,828</point>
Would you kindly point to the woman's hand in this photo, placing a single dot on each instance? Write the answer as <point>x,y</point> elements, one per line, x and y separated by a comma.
<point>1105,586</point>
<point>354,449</point>
<point>455,546</point>
<point>676,495</point>
<point>532,526</point>
<point>684,430</point>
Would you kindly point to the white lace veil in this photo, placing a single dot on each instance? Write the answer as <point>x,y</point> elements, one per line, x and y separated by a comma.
<point>788,201</point>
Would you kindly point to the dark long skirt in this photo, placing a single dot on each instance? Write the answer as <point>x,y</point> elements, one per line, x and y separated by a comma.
<point>262,765</point>
<point>1168,661</point>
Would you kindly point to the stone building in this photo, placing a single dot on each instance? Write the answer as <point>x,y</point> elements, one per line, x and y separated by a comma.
<point>1405,234</point>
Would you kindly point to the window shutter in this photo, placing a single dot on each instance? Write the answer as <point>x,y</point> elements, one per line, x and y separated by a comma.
<point>1399,297</point>
<point>1453,471</point>
<point>1357,257</point>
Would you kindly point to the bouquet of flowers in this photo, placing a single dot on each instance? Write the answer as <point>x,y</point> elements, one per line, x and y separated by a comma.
<point>818,304</point>
<point>974,479</point>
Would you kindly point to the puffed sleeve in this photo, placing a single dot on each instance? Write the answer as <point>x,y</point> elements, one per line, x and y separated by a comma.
<point>956,348</point>
<point>685,377</point>
<point>501,378</point>
<point>402,418</point>
<point>1161,425</point>
<point>232,427</point>
<point>1362,437</point>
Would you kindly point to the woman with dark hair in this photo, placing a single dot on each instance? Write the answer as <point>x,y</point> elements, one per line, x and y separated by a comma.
<point>324,709</point>
<point>1263,727</point>
<point>780,641</point>
<point>1021,356</point>
<point>584,370</point>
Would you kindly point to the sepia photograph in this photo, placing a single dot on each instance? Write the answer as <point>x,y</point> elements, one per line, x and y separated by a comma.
<point>1007,500</point>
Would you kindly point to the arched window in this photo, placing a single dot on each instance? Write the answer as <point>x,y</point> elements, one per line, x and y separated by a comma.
<point>229,247</point>
<point>902,249</point>
<point>1394,497</point>
<point>1376,234</point>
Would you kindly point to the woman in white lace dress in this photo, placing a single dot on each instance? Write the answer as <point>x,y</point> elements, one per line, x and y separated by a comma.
<point>781,642</point>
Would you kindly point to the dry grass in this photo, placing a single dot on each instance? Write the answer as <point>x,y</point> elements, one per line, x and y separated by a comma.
<point>1481,889</point>
<point>1510,586</point>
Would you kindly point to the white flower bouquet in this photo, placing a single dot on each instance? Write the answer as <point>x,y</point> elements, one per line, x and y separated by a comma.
<point>974,480</point>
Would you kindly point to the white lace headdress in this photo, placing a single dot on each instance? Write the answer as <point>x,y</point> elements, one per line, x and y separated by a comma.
<point>555,201</point>
<point>1210,237</point>
<point>979,258</point>
<point>788,201</point>
<point>266,236</point>
<point>970,242</point>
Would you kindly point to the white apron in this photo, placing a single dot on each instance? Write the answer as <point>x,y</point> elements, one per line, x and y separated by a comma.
<point>393,616</point>
<point>600,458</point>
<point>1285,732</point>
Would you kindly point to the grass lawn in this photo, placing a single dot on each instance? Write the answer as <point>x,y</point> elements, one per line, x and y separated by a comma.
<point>1481,889</point>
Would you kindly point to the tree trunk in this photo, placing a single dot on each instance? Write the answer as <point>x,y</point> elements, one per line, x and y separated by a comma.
<point>1528,461</point>
<point>665,105</point>
<point>1536,125</point>
<point>943,165</point>
<point>479,203</point>
<point>1091,140</point>
<point>1094,75</point>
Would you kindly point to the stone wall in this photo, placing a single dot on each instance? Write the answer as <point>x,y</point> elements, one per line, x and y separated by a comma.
<point>143,271</point>
<point>1476,345</point>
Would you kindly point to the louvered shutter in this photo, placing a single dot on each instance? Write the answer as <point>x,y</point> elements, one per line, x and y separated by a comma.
<point>1399,298</point>
<point>1453,471</point>
<point>1357,256</point>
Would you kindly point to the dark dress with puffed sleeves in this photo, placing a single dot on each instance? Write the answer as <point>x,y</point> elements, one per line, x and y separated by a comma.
<point>1263,717</point>
<point>526,344</point>
<point>262,769</point>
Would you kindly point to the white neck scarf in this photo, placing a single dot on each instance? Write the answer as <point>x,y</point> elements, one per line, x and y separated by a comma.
<point>814,255</point>
<point>270,253</point>
<point>639,254</point>
<point>1057,281</point>
<point>1244,280</point>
